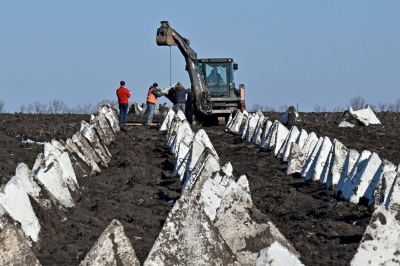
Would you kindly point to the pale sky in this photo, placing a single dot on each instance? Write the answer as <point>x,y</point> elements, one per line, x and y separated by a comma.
<point>303,53</point>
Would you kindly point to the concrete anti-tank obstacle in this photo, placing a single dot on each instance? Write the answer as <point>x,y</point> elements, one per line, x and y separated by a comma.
<point>48,172</point>
<point>67,169</point>
<point>351,118</point>
<point>301,140</point>
<point>136,109</point>
<point>188,155</point>
<point>351,159</point>
<point>265,141</point>
<point>112,248</point>
<point>111,117</point>
<point>187,233</point>
<point>244,130</point>
<point>104,126</point>
<point>380,242</point>
<point>372,171</point>
<point>178,130</point>
<point>347,120</point>
<point>392,197</point>
<point>167,120</point>
<point>80,158</point>
<point>242,121</point>
<point>211,189</point>
<point>184,133</point>
<point>182,156</point>
<point>173,126</point>
<point>171,134</point>
<point>352,179</point>
<point>15,248</point>
<point>311,160</point>
<point>374,186</point>
<point>277,255</point>
<point>188,237</point>
<point>251,125</point>
<point>365,116</point>
<point>339,153</point>
<point>326,166</point>
<point>87,149</point>
<point>88,131</point>
<point>254,126</point>
<point>267,128</point>
<point>236,226</point>
<point>296,159</point>
<point>376,189</point>
<point>200,148</point>
<point>15,201</point>
<point>384,194</point>
<point>234,121</point>
<point>271,136</point>
<point>104,135</point>
<point>281,133</point>
<point>206,164</point>
<point>32,185</point>
<point>291,137</point>
<point>256,139</point>
<point>202,136</point>
<point>289,117</point>
<point>319,159</point>
<point>309,144</point>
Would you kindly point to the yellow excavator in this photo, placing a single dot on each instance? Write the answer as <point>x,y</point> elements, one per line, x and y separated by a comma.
<point>213,93</point>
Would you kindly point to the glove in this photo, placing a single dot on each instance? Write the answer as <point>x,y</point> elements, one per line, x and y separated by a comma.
<point>164,91</point>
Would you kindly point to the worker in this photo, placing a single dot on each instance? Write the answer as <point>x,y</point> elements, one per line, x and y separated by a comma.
<point>179,97</point>
<point>152,94</point>
<point>123,95</point>
<point>215,77</point>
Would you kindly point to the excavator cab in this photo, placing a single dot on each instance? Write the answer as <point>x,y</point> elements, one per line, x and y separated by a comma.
<point>218,75</point>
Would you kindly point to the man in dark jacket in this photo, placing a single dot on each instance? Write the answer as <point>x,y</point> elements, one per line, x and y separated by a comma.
<point>179,97</point>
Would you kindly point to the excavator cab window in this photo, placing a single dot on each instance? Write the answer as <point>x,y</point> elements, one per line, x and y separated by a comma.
<point>216,76</point>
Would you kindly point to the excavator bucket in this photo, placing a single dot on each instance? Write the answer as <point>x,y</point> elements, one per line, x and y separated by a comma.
<point>164,35</point>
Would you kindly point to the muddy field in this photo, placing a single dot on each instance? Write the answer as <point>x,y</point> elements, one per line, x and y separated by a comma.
<point>138,189</point>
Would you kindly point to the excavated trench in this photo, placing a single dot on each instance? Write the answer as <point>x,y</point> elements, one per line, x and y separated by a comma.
<point>137,187</point>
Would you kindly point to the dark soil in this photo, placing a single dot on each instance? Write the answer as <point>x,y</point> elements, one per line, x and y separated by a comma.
<point>138,185</point>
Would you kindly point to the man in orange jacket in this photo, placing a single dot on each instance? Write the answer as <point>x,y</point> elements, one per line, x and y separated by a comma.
<point>123,95</point>
<point>152,94</point>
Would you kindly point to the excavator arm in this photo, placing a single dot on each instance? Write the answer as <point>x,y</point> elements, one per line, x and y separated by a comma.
<point>167,36</point>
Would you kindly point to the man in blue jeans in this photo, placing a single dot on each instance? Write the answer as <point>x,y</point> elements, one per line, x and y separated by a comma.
<point>152,94</point>
<point>123,95</point>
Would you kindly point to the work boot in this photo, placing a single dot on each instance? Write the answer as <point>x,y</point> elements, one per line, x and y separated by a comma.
<point>148,123</point>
